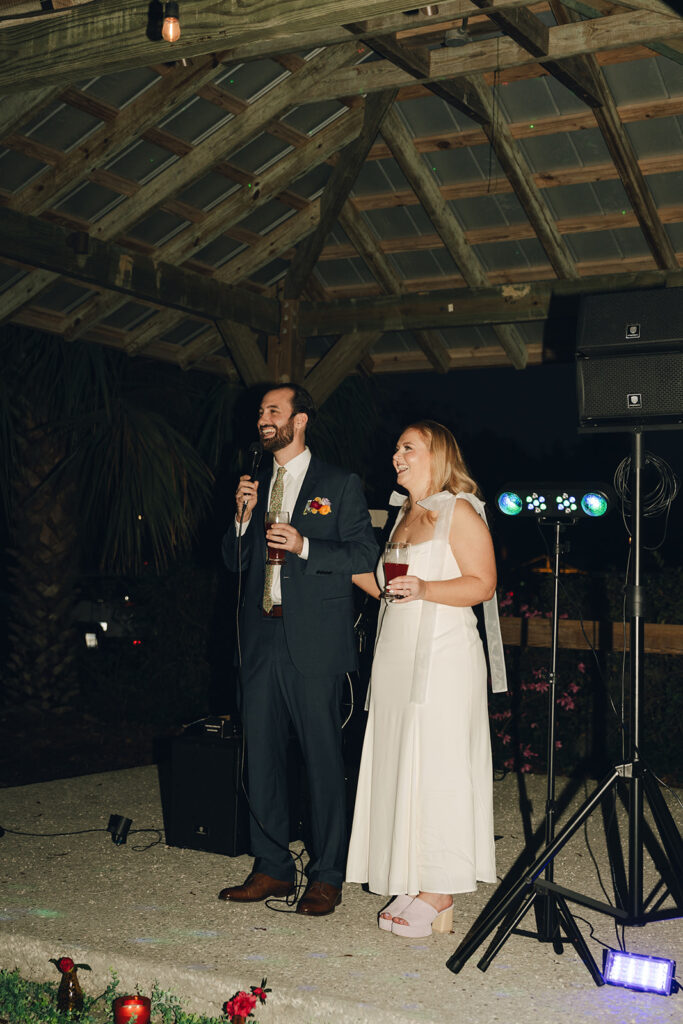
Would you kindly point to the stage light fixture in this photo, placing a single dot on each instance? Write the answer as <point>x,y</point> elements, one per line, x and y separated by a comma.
<point>118,826</point>
<point>642,973</point>
<point>555,500</point>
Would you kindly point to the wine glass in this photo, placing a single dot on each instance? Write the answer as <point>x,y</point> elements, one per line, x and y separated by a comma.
<point>396,559</point>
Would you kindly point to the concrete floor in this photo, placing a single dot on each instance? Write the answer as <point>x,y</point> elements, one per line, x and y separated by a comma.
<point>152,914</point>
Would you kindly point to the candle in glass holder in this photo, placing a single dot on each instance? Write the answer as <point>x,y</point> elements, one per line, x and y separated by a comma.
<point>132,1010</point>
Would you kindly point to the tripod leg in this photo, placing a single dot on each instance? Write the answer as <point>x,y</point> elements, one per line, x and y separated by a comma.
<point>503,933</point>
<point>672,844</point>
<point>615,851</point>
<point>578,941</point>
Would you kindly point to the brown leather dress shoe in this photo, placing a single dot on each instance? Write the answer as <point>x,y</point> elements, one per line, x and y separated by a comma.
<point>255,887</point>
<point>319,899</point>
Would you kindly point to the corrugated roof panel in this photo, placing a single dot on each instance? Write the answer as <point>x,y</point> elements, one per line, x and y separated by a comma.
<point>584,200</point>
<point>429,115</point>
<point>310,117</point>
<point>184,331</point>
<point>130,315</point>
<point>417,264</point>
<point>453,166</point>
<point>248,81</point>
<point>208,190</point>
<point>379,176</point>
<point>122,87</point>
<point>343,273</point>
<point>17,170</point>
<point>90,201</point>
<point>656,137</point>
<point>398,221</point>
<point>141,161</point>
<point>158,227</point>
<point>488,211</point>
<point>61,126</point>
<point>540,97</point>
<point>666,188</point>
<point>63,296</point>
<point>267,217</point>
<point>271,273</point>
<point>195,120</point>
<point>10,275</point>
<point>606,245</point>
<point>311,184</point>
<point>218,252</point>
<point>570,149</point>
<point>644,80</point>
<point>505,255</point>
<point>258,154</point>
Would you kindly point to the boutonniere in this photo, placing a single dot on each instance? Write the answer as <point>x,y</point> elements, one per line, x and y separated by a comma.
<point>318,507</point>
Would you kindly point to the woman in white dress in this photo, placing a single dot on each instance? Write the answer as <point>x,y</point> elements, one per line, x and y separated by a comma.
<point>423,820</point>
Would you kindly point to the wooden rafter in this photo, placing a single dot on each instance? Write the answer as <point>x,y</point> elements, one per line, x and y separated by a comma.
<point>422,182</point>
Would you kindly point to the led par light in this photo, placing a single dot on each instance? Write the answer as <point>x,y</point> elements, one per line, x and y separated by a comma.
<point>555,500</point>
<point>642,973</point>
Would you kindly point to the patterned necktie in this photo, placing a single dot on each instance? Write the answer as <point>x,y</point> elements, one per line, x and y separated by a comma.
<point>275,506</point>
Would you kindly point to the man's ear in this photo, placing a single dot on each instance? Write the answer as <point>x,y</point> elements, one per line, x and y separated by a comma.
<point>301,421</point>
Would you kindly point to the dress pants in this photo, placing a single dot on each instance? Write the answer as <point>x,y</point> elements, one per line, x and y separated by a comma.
<point>273,694</point>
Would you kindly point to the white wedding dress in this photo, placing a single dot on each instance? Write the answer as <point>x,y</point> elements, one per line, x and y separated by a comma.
<point>423,818</point>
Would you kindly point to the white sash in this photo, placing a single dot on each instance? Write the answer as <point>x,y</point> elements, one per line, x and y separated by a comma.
<point>443,504</point>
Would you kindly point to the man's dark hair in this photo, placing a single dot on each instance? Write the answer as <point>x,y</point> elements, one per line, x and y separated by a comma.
<point>301,400</point>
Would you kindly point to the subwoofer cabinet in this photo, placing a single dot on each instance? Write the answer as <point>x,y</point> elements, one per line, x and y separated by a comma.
<point>629,360</point>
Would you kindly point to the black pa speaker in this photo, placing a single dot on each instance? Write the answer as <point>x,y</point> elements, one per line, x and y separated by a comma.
<point>206,808</point>
<point>629,360</point>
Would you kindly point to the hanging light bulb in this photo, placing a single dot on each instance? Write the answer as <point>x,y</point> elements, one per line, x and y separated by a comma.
<point>171,27</point>
<point>429,10</point>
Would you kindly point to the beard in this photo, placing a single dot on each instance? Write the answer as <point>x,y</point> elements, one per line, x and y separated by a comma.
<point>282,437</point>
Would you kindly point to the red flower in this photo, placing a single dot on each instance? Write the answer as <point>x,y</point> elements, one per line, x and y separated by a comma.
<point>316,504</point>
<point>65,964</point>
<point>241,1005</point>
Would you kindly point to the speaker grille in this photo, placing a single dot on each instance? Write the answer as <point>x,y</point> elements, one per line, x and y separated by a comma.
<point>631,390</point>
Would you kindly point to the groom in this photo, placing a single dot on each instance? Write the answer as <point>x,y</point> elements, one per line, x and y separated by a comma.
<point>297,643</point>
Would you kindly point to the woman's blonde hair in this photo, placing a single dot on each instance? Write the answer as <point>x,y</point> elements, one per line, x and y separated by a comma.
<point>449,472</point>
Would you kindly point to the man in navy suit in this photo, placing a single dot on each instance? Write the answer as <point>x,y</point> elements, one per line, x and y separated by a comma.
<point>297,643</point>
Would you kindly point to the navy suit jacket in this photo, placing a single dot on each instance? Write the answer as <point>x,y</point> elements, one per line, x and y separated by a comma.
<point>317,599</point>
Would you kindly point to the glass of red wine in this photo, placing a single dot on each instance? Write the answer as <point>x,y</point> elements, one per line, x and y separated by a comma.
<point>396,559</point>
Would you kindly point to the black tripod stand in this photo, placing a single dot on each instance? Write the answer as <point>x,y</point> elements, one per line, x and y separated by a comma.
<point>633,783</point>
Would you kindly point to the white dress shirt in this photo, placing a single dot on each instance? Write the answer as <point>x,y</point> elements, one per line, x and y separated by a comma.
<point>295,471</point>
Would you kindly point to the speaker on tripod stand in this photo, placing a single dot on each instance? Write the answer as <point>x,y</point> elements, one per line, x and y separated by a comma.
<point>629,376</point>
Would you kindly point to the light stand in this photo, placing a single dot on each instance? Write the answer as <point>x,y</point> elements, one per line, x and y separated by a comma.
<point>632,782</point>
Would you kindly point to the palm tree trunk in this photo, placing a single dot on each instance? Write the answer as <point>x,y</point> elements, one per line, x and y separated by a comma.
<point>41,669</point>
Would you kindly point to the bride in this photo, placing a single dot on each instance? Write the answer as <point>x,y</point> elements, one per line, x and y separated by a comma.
<point>423,820</point>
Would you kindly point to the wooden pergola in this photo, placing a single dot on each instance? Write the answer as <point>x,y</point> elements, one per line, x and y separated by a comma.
<point>173,262</point>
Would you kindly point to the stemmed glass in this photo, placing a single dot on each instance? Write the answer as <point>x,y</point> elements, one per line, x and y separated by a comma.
<point>396,560</point>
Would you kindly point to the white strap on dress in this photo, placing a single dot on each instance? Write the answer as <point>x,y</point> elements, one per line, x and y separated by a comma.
<point>443,504</point>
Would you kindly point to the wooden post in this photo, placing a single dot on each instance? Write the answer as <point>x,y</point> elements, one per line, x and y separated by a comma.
<point>287,351</point>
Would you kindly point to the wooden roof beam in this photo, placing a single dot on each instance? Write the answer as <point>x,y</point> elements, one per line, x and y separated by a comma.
<point>369,250</point>
<point>202,158</point>
<point>336,192</point>
<point>421,181</point>
<point>625,160</point>
<point>239,205</point>
<point>602,34</point>
<point>61,47</point>
<point>38,243</point>
<point>458,307</point>
<point>342,359</point>
<point>244,351</point>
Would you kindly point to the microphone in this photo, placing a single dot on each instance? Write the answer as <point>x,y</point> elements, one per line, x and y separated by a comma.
<point>256,452</point>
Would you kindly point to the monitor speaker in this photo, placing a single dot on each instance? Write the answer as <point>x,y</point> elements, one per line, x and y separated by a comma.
<point>629,361</point>
<point>206,808</point>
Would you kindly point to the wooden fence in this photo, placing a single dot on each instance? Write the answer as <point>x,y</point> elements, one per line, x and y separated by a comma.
<point>660,638</point>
